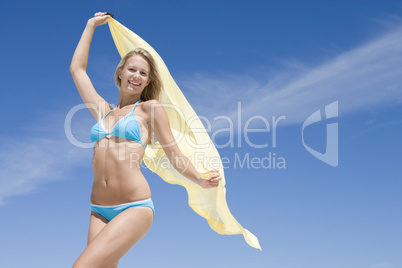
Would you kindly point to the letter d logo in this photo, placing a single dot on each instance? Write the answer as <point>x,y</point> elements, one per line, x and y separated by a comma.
<point>331,152</point>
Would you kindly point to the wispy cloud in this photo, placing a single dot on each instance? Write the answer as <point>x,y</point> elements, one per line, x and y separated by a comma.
<point>30,162</point>
<point>365,77</point>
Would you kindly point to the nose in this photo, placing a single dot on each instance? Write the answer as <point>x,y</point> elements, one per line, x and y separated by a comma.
<point>136,74</point>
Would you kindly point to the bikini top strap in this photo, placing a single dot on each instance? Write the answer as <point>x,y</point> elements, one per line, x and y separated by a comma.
<point>132,110</point>
<point>107,113</point>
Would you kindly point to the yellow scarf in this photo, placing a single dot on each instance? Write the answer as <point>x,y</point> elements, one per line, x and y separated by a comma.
<point>192,139</point>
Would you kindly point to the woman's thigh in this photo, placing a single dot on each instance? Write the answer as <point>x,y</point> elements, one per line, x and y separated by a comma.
<point>96,224</point>
<point>116,238</point>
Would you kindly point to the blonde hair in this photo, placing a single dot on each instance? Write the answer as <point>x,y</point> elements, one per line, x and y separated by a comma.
<point>153,89</point>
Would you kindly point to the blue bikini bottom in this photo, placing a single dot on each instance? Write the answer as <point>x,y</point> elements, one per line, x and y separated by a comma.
<point>109,212</point>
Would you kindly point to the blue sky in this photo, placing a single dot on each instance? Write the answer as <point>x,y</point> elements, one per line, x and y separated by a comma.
<point>287,58</point>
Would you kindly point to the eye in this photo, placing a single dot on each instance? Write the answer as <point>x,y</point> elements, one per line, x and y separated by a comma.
<point>144,73</point>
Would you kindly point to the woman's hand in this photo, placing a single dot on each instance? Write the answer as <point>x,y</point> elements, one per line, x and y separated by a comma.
<point>100,18</point>
<point>210,179</point>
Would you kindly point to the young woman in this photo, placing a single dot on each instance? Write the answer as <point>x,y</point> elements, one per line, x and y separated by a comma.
<point>122,210</point>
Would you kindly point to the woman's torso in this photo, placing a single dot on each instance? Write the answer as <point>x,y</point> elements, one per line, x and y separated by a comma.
<point>117,160</point>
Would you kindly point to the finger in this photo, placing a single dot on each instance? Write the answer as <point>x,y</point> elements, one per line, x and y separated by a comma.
<point>214,183</point>
<point>100,14</point>
<point>213,175</point>
<point>216,177</point>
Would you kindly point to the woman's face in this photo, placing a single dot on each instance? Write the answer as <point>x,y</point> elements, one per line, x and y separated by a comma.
<point>135,75</point>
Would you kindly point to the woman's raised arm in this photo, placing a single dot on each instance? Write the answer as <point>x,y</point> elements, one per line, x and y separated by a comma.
<point>95,103</point>
<point>161,127</point>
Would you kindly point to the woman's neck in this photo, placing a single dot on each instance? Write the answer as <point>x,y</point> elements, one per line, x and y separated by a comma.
<point>128,100</point>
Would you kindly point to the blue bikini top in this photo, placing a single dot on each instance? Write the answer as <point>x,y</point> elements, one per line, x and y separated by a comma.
<point>127,127</point>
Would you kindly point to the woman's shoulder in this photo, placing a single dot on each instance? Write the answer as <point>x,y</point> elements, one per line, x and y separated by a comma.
<point>152,108</point>
<point>152,101</point>
<point>150,104</point>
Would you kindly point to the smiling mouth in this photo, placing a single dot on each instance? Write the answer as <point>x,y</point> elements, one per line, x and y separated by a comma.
<point>134,83</point>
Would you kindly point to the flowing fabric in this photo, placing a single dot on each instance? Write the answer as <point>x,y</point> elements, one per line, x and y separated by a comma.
<point>192,139</point>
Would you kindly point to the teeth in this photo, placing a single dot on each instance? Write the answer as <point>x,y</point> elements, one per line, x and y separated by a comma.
<point>135,84</point>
